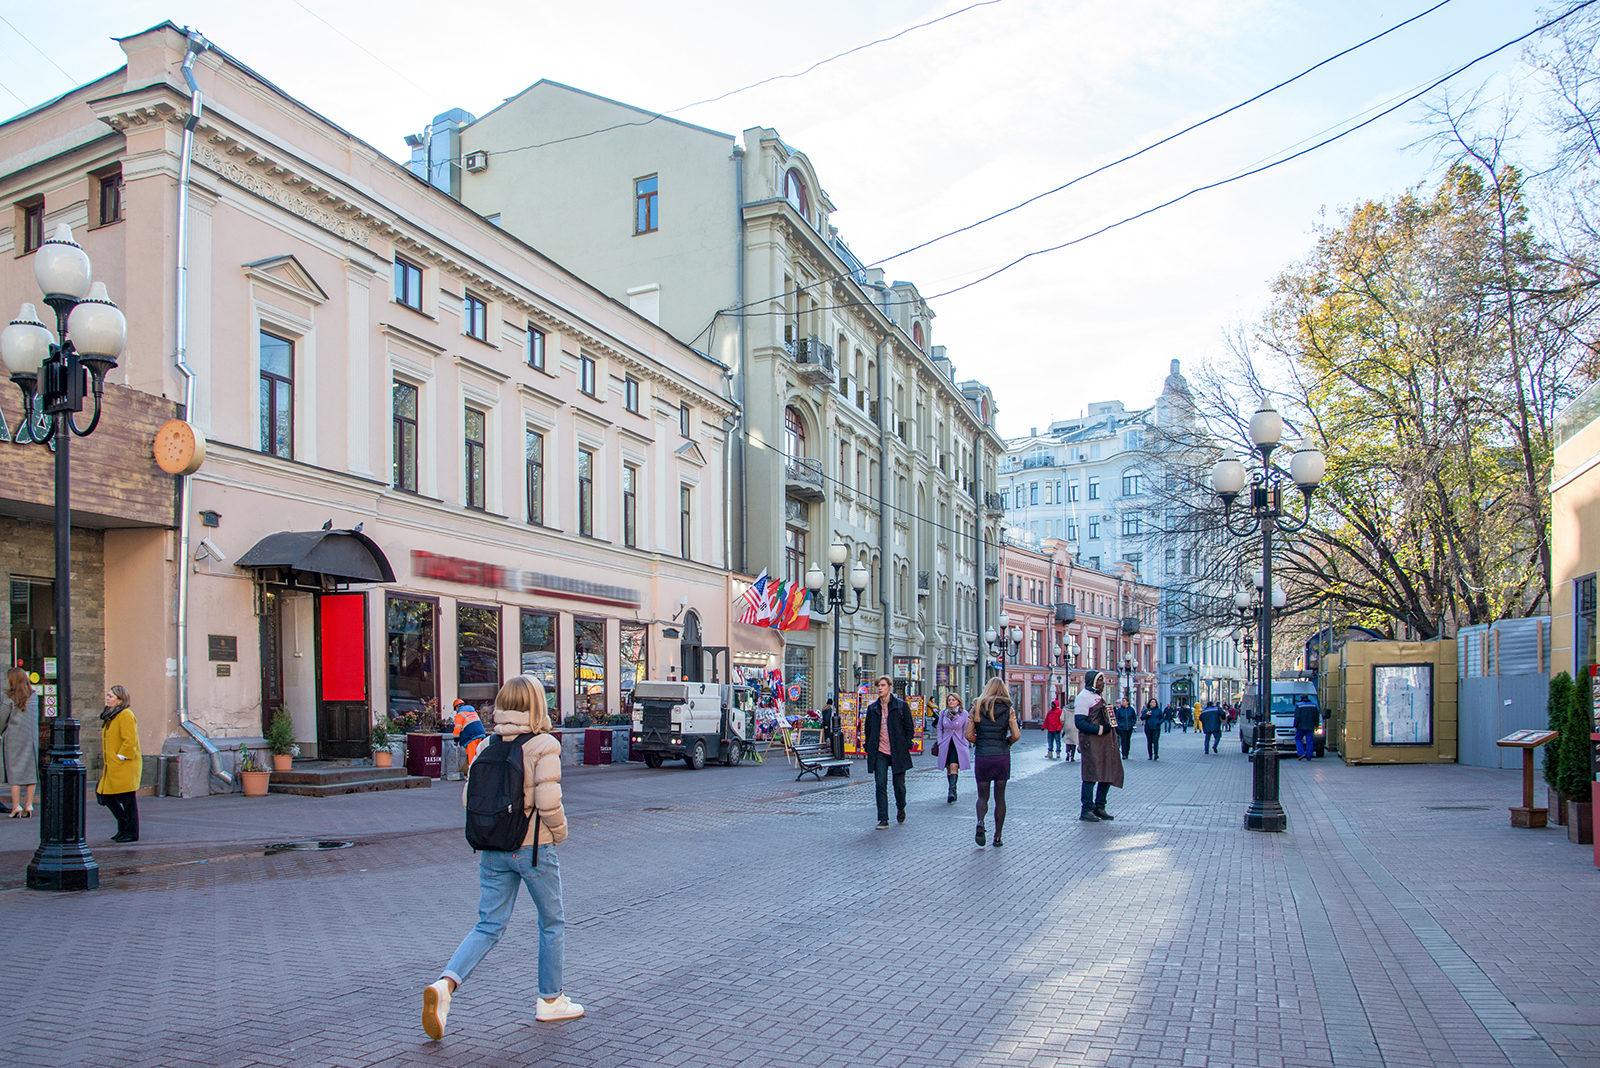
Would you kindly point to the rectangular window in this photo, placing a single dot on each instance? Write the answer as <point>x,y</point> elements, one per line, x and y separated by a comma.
<point>533,459</point>
<point>1072,530</point>
<point>1583,623</point>
<point>1172,650</point>
<point>630,505</point>
<point>475,439</point>
<point>475,317</point>
<point>407,283</point>
<point>646,206</point>
<point>477,652</point>
<point>1172,561</point>
<point>405,436</point>
<point>1072,491</point>
<point>1131,525</point>
<point>683,420</point>
<point>794,555</point>
<point>539,656</point>
<point>589,670</point>
<point>109,186</point>
<point>586,374</point>
<point>277,395</point>
<point>1131,484</point>
<point>1094,489</point>
<point>1033,493</point>
<point>32,225</point>
<point>630,394</point>
<point>685,518</point>
<point>586,493</point>
<point>411,631</point>
<point>635,655</point>
<point>1094,526</point>
<point>1005,500</point>
<point>1136,561</point>
<point>536,348</point>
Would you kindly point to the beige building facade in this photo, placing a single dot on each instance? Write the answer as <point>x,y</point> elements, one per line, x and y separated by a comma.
<point>436,458</point>
<point>1574,517</point>
<point>855,427</point>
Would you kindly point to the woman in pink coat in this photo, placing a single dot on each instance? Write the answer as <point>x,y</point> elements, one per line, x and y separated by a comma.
<point>950,749</point>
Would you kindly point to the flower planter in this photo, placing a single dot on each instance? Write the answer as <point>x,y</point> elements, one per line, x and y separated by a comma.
<point>282,761</point>
<point>1580,822</point>
<point>1558,806</point>
<point>255,782</point>
<point>382,758</point>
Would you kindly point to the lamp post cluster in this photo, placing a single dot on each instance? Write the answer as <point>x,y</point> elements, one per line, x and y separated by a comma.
<point>55,375</point>
<point>1130,667</point>
<point>1067,653</point>
<point>834,590</point>
<point>1265,515</point>
<point>1008,639</point>
<point>1248,606</point>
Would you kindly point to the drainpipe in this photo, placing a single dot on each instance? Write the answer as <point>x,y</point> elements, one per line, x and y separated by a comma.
<point>885,518</point>
<point>197,45</point>
<point>979,504</point>
<point>743,372</point>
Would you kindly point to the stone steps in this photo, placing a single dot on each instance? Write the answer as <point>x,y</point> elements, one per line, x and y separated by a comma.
<point>329,780</point>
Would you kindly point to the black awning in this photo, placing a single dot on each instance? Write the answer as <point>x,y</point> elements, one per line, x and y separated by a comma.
<point>341,555</point>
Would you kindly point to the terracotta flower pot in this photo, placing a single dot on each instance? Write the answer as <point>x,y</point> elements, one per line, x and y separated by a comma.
<point>281,761</point>
<point>255,782</point>
<point>382,758</point>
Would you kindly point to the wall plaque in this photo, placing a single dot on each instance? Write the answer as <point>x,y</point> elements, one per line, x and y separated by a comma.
<point>222,647</point>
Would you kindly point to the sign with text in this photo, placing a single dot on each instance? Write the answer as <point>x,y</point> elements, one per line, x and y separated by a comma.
<point>478,573</point>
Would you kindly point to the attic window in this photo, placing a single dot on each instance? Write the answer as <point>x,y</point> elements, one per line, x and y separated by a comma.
<point>794,191</point>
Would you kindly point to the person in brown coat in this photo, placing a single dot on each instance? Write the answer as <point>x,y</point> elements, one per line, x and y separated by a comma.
<point>1097,741</point>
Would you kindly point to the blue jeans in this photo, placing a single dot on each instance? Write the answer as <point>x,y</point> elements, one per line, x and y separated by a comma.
<point>499,875</point>
<point>1213,741</point>
<point>1052,743</point>
<point>1302,744</point>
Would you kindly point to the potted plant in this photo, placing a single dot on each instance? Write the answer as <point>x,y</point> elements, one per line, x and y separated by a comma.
<point>280,739</point>
<point>251,774</point>
<point>382,731</point>
<point>1574,762</point>
<point>1560,699</point>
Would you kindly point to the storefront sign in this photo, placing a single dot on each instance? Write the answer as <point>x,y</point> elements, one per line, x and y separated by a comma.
<point>479,573</point>
<point>222,647</point>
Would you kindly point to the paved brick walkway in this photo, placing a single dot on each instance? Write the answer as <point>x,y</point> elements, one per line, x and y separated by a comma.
<point>730,917</point>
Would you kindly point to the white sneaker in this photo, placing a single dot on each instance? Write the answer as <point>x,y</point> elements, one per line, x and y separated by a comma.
<point>435,1008</point>
<point>562,1008</point>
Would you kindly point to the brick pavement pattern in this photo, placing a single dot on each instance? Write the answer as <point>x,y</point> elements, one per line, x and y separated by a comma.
<point>730,917</point>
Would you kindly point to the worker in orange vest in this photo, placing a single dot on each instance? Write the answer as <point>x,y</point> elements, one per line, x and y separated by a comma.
<point>468,732</point>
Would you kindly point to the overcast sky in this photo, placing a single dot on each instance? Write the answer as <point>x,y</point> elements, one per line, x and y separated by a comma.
<point>916,136</point>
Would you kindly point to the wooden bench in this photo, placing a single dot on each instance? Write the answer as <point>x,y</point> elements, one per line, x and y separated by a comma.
<point>816,759</point>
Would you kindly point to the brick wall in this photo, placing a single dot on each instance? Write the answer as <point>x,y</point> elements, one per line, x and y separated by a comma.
<point>27,550</point>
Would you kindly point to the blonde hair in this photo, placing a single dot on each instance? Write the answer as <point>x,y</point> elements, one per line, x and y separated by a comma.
<point>18,687</point>
<point>524,693</point>
<point>953,696</point>
<point>993,694</point>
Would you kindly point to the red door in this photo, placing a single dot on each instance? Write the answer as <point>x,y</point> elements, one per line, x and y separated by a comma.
<point>343,709</point>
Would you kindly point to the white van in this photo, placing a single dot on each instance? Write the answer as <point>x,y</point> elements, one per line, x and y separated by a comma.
<point>1286,694</point>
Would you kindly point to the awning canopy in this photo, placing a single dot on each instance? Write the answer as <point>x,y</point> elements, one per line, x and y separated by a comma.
<point>338,555</point>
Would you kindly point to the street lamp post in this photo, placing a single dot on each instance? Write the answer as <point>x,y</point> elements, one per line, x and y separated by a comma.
<point>54,377</point>
<point>1007,637</point>
<point>838,553</point>
<point>1067,651</point>
<point>1265,514</point>
<point>1130,665</point>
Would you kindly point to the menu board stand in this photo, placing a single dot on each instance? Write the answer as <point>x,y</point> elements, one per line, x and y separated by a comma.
<point>1527,815</point>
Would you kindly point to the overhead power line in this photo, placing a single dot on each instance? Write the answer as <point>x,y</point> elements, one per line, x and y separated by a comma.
<point>42,52</point>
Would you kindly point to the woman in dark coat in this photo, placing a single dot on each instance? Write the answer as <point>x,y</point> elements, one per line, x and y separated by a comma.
<point>1097,740</point>
<point>1152,719</point>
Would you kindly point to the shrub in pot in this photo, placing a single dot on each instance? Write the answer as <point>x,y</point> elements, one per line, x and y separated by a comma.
<point>1561,690</point>
<point>252,776</point>
<point>1575,783</point>
<point>280,739</point>
<point>382,734</point>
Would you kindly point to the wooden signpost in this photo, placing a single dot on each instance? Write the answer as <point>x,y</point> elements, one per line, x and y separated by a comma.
<point>1527,741</point>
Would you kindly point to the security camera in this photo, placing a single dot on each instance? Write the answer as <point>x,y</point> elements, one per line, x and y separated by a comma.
<point>209,548</point>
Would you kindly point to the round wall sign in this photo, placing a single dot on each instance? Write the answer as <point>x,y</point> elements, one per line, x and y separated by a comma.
<point>180,448</point>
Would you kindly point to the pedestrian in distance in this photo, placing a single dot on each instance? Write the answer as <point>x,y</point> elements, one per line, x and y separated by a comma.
<point>888,744</point>
<point>992,730</point>
<point>1102,762</point>
<point>119,781</point>
<point>1152,718</point>
<point>1069,736</point>
<point>521,756</point>
<point>1211,724</point>
<point>1052,730</point>
<point>469,730</point>
<point>19,738</point>
<point>950,743</point>
<point>1306,721</point>
<point>1127,719</point>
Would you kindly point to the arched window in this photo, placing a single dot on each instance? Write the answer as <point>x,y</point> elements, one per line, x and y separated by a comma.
<point>794,434</point>
<point>794,191</point>
<point>916,334</point>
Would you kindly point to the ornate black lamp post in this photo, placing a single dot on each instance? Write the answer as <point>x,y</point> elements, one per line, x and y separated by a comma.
<point>1265,515</point>
<point>1130,667</point>
<point>54,378</point>
<point>838,553</point>
<point>1067,651</point>
<point>1006,639</point>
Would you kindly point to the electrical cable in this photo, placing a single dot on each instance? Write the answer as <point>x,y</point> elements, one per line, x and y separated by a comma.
<point>379,59</point>
<point>39,50</point>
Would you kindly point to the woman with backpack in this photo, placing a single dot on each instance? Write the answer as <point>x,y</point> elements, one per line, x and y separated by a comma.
<point>521,753</point>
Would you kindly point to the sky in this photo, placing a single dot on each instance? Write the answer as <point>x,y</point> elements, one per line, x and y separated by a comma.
<point>928,132</point>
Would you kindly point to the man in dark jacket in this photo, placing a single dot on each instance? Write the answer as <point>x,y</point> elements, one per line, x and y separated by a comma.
<point>889,750</point>
<point>1306,721</point>
<point>1097,741</point>
<point>1211,723</point>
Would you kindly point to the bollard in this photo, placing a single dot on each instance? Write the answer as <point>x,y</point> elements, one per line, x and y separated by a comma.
<point>161,775</point>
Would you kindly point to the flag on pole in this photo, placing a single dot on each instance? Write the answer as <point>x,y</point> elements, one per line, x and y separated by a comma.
<point>756,609</point>
<point>776,599</point>
<point>800,618</point>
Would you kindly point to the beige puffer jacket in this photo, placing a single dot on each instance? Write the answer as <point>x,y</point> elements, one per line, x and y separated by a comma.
<point>541,777</point>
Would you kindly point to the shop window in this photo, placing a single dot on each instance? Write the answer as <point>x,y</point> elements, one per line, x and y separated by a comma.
<point>589,670</point>
<point>477,652</point>
<point>635,661</point>
<point>412,629</point>
<point>539,656</point>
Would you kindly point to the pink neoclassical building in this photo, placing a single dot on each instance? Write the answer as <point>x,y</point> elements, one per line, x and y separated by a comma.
<point>434,458</point>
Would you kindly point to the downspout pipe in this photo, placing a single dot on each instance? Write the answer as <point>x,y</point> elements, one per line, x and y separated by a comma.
<point>885,518</point>
<point>197,45</point>
<point>742,374</point>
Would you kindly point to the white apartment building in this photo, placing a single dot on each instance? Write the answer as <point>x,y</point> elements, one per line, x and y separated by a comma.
<point>1108,483</point>
<point>855,427</point>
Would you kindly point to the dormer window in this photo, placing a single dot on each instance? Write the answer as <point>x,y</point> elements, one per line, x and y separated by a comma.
<point>794,191</point>
<point>916,334</point>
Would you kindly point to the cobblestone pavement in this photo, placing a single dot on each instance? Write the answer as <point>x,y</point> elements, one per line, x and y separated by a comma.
<point>731,917</point>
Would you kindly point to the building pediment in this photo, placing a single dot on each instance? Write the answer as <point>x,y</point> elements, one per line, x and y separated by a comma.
<point>288,275</point>
<point>690,451</point>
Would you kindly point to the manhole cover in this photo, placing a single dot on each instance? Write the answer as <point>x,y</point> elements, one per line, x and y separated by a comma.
<point>293,847</point>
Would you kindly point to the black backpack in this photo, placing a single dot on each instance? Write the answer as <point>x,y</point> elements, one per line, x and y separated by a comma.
<point>495,818</point>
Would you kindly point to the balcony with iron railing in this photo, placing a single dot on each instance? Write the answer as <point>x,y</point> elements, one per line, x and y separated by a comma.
<point>992,502</point>
<point>812,357</point>
<point>802,477</point>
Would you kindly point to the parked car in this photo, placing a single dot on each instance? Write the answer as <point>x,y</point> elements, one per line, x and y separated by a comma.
<point>1286,694</point>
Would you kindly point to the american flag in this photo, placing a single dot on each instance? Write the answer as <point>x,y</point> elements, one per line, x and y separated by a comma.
<point>757,606</point>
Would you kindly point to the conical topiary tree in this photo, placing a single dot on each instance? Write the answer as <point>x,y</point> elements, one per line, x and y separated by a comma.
<point>1576,774</point>
<point>1560,705</point>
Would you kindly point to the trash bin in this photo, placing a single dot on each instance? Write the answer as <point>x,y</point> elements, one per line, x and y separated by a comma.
<point>425,754</point>
<point>597,745</point>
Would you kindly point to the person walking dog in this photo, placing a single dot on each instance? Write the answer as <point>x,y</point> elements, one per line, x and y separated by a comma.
<point>523,756</point>
<point>888,743</point>
<point>992,730</point>
<point>950,747</point>
<point>1097,737</point>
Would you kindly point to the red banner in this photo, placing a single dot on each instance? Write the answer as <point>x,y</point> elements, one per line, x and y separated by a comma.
<point>343,646</point>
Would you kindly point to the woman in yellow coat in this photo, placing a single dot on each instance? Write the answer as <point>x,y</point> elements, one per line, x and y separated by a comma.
<point>119,782</point>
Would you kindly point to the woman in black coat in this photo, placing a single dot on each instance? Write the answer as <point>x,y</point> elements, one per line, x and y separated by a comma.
<point>1151,718</point>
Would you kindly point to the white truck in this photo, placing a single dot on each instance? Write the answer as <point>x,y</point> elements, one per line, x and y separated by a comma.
<point>691,721</point>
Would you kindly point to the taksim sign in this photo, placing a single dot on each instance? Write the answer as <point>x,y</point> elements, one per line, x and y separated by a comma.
<point>480,573</point>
